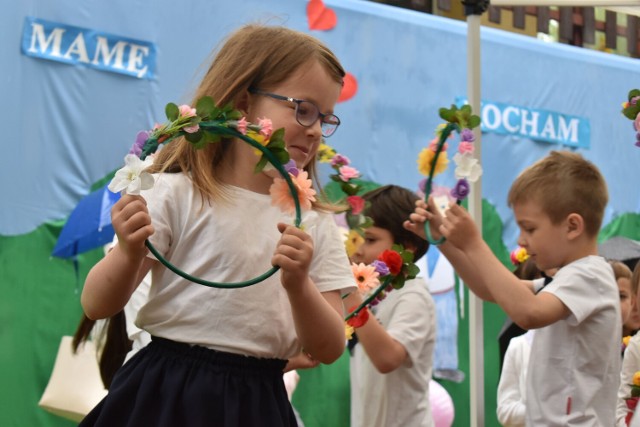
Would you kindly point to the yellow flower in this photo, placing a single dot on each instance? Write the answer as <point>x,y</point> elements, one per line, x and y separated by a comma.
<point>325,153</point>
<point>348,331</point>
<point>353,242</point>
<point>522,255</point>
<point>636,378</point>
<point>259,138</point>
<point>625,104</point>
<point>425,160</point>
<point>626,340</point>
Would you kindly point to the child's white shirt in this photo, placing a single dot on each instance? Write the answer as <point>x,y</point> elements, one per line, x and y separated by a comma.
<point>512,386</point>
<point>574,365</point>
<point>230,241</point>
<point>630,364</point>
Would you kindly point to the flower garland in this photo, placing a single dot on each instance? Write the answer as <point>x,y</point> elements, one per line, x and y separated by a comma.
<point>207,124</point>
<point>433,159</point>
<point>390,271</point>
<point>632,401</point>
<point>355,206</point>
<point>631,110</point>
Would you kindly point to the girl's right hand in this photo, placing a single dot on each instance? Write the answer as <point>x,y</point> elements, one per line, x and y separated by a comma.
<point>422,214</point>
<point>132,224</point>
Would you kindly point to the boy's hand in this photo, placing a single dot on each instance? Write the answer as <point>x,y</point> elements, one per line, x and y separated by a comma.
<point>458,227</point>
<point>293,255</point>
<point>132,224</point>
<point>422,214</point>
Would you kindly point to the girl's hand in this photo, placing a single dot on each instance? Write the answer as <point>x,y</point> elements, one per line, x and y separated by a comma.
<point>302,360</point>
<point>132,224</point>
<point>422,214</point>
<point>293,255</point>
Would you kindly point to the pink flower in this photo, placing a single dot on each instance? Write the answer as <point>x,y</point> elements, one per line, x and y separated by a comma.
<point>433,145</point>
<point>356,203</point>
<point>340,160</point>
<point>366,277</point>
<point>242,126</point>
<point>281,195</point>
<point>266,127</point>
<point>636,123</point>
<point>465,147</point>
<point>191,129</point>
<point>187,111</point>
<point>347,173</point>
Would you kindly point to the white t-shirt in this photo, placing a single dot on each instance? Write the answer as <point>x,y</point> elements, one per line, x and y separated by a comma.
<point>630,365</point>
<point>230,241</point>
<point>574,366</point>
<point>512,387</point>
<point>399,398</point>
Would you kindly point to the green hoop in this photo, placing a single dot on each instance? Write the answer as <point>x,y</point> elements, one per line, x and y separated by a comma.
<point>370,298</point>
<point>450,127</point>
<point>216,128</point>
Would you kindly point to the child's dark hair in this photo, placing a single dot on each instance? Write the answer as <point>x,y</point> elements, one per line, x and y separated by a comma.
<point>389,207</point>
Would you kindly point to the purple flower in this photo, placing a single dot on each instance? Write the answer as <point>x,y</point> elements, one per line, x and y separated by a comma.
<point>340,160</point>
<point>634,100</point>
<point>461,190</point>
<point>141,139</point>
<point>638,139</point>
<point>380,267</point>
<point>467,135</point>
<point>291,167</point>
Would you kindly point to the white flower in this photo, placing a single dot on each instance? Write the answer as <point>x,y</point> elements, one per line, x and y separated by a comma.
<point>467,167</point>
<point>132,177</point>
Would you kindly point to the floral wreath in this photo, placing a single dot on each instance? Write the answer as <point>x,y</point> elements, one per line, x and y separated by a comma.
<point>631,110</point>
<point>433,159</point>
<point>209,124</point>
<point>390,271</point>
<point>632,401</point>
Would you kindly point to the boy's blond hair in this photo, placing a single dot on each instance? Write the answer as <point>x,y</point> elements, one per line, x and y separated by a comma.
<point>635,279</point>
<point>563,183</point>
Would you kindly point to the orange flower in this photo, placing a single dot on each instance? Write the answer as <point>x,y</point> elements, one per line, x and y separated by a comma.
<point>281,195</point>
<point>366,277</point>
<point>636,378</point>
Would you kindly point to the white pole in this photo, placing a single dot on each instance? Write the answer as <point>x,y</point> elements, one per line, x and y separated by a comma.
<point>476,331</point>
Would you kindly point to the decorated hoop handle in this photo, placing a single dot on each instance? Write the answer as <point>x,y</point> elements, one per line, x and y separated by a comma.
<point>214,127</point>
<point>370,298</point>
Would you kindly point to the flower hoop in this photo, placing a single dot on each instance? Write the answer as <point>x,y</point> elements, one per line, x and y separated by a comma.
<point>631,110</point>
<point>430,162</point>
<point>202,125</point>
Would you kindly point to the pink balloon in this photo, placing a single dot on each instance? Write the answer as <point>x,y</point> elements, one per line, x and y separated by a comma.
<point>441,405</point>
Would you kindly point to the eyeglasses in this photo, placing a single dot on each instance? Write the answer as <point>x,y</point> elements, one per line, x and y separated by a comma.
<point>307,113</point>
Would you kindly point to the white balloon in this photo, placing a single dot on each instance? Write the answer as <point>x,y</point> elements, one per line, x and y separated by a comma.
<point>441,405</point>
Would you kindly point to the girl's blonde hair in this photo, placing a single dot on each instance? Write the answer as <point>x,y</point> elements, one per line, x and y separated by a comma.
<point>635,279</point>
<point>254,56</point>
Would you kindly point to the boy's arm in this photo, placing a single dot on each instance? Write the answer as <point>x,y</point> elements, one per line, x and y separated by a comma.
<point>383,350</point>
<point>525,308</point>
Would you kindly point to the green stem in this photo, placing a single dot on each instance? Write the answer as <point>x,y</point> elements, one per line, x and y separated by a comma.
<point>382,287</point>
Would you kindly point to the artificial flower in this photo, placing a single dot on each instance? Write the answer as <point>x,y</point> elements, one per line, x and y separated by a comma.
<point>353,242</point>
<point>356,203</point>
<point>425,161</point>
<point>636,123</point>
<point>141,139</point>
<point>348,331</point>
<point>461,190</point>
<point>191,129</point>
<point>467,167</point>
<point>465,147</point>
<point>132,178</point>
<point>381,267</point>
<point>260,139</point>
<point>291,167</point>
<point>281,195</point>
<point>325,153</point>
<point>393,260</point>
<point>359,319</point>
<point>241,125</point>
<point>467,135</point>
<point>348,173</point>
<point>340,160</point>
<point>186,111</point>
<point>266,127</point>
<point>366,277</point>
<point>519,255</point>
<point>625,340</point>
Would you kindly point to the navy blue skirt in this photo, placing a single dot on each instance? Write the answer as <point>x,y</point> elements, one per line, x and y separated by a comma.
<point>171,384</point>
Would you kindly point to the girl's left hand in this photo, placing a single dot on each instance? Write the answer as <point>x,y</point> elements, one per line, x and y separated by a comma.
<point>293,255</point>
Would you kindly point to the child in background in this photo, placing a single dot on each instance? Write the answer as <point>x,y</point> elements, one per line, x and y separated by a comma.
<point>631,358</point>
<point>217,355</point>
<point>622,273</point>
<point>392,362</point>
<point>558,204</point>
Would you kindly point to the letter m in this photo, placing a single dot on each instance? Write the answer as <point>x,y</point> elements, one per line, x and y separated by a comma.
<point>38,39</point>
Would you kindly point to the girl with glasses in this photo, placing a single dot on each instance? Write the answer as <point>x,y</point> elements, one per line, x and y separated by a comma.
<point>217,355</point>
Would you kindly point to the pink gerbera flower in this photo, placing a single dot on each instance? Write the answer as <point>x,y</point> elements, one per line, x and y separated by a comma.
<point>281,195</point>
<point>366,277</point>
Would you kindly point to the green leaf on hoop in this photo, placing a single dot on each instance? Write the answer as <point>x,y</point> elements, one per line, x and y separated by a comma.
<point>196,138</point>
<point>474,121</point>
<point>205,107</point>
<point>172,111</point>
<point>448,114</point>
